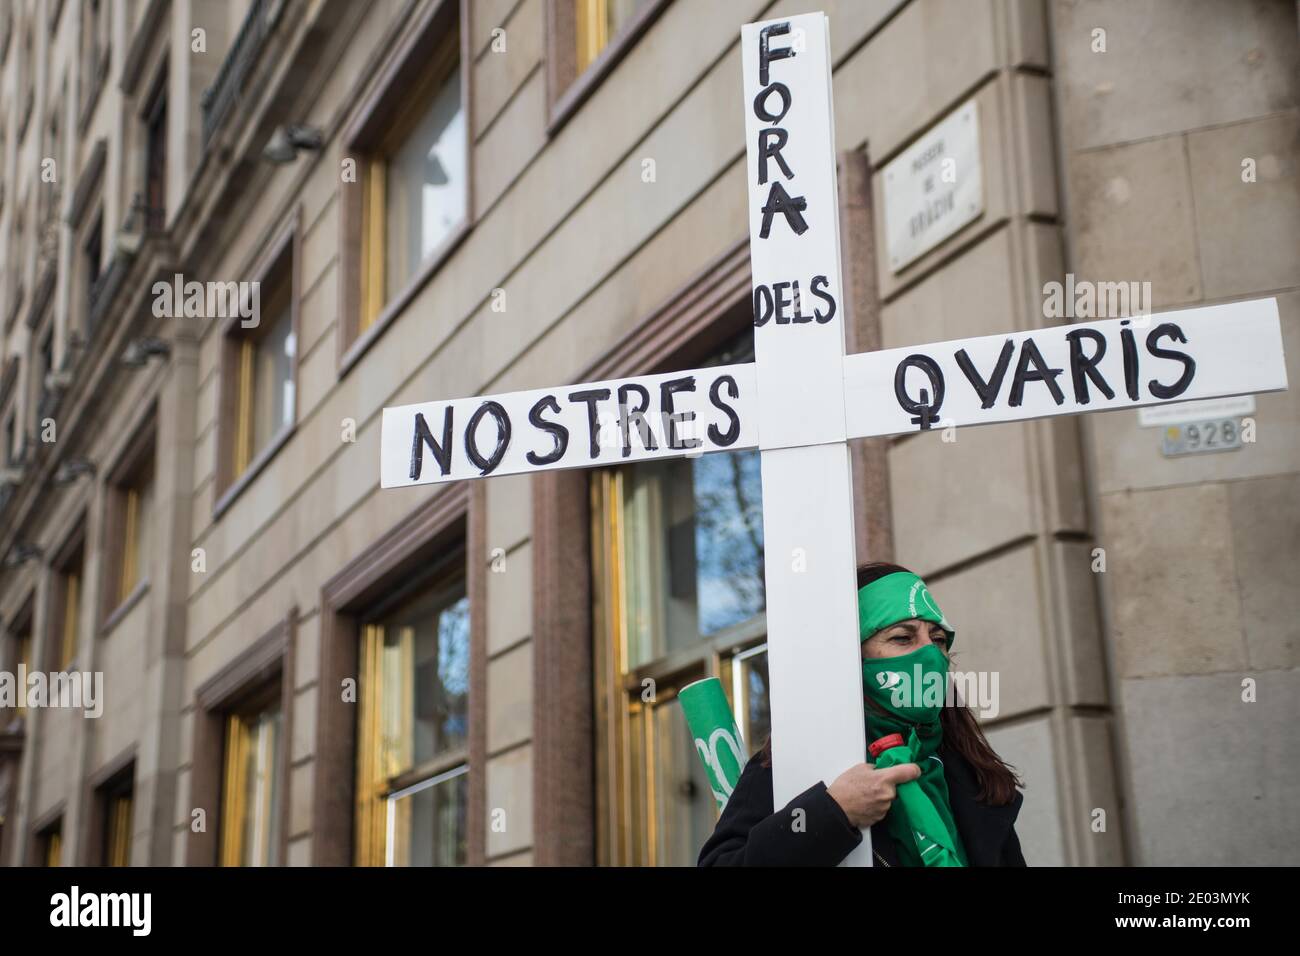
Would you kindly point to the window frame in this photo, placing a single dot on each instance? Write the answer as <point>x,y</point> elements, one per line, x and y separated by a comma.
<point>452,520</point>
<point>12,452</point>
<point>6,32</point>
<point>624,766</point>
<point>26,81</point>
<point>364,133</point>
<point>285,242</point>
<point>618,693</point>
<point>567,87</point>
<point>106,784</point>
<point>260,673</point>
<point>9,434</point>
<point>234,780</point>
<point>91,267</point>
<point>48,826</point>
<point>17,264</point>
<point>96,57</point>
<point>155,111</point>
<point>69,564</point>
<point>41,362</point>
<point>22,625</point>
<point>442,767</point>
<point>51,199</point>
<point>86,210</point>
<point>138,453</point>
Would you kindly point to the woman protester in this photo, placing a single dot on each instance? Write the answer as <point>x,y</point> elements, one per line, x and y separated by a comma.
<point>970,798</point>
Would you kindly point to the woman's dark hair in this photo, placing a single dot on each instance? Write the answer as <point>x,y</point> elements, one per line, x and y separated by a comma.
<point>961,731</point>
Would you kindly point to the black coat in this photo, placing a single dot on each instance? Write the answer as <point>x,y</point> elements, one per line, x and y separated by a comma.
<point>750,834</point>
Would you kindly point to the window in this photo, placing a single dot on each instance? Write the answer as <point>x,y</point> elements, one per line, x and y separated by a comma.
<point>26,83</point>
<point>678,562</point>
<point>597,21</point>
<point>423,184</point>
<point>6,30</point>
<point>67,618</point>
<point>52,192</point>
<point>23,656</point>
<point>129,524</point>
<point>15,263</point>
<point>10,472</point>
<point>8,798</point>
<point>44,366</point>
<point>49,844</point>
<point>95,27</point>
<point>410,749</point>
<point>137,505</point>
<point>259,372</point>
<point>240,754</point>
<point>411,200</point>
<point>412,734</point>
<point>71,617</point>
<point>92,253</point>
<point>11,440</point>
<point>250,787</point>
<point>264,381</point>
<point>155,157</point>
<point>115,809</point>
<point>47,355</point>
<point>587,38</point>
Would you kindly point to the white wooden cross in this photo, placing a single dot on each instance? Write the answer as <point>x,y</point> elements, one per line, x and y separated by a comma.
<point>802,399</point>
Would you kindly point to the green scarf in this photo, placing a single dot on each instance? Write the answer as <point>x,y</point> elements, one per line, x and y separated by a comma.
<point>898,597</point>
<point>909,693</point>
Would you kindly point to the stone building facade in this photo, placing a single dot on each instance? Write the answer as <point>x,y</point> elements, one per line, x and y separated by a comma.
<point>232,232</point>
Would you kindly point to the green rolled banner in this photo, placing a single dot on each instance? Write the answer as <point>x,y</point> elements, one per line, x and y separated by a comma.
<point>717,738</point>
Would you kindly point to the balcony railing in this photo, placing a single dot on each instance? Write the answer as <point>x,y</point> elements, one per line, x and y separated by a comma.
<point>225,91</point>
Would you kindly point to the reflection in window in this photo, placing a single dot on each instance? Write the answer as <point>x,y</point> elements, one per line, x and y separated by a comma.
<point>425,823</point>
<point>744,677</point>
<point>694,532</point>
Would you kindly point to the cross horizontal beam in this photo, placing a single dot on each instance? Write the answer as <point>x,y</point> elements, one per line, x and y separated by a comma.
<point>1210,352</point>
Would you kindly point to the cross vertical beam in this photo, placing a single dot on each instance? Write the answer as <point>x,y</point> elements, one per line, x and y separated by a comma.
<point>809,547</point>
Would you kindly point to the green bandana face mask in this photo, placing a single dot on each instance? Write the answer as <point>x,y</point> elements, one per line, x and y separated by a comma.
<point>912,686</point>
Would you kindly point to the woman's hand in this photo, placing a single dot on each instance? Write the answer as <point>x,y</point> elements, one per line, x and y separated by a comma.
<point>865,794</point>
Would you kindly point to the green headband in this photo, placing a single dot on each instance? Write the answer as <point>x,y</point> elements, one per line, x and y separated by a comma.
<point>898,597</point>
